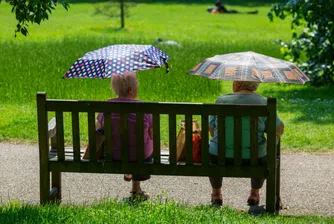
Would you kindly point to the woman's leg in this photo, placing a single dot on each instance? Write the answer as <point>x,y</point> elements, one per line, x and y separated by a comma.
<point>137,192</point>
<point>216,184</point>
<point>256,184</point>
<point>254,197</point>
<point>216,194</point>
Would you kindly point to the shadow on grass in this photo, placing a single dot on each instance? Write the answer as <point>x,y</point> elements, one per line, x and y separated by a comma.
<point>250,3</point>
<point>15,213</point>
<point>309,104</point>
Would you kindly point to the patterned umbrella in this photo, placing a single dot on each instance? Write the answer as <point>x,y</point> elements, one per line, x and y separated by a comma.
<point>249,66</point>
<point>117,59</point>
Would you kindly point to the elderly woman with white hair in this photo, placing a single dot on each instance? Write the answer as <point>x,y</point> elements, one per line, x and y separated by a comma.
<point>125,87</point>
<point>243,93</point>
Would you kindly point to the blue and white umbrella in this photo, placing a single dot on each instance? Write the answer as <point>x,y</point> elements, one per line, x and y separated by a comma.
<point>116,60</point>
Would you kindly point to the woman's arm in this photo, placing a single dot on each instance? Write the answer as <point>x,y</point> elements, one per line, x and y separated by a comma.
<point>99,126</point>
<point>212,132</point>
<point>280,129</point>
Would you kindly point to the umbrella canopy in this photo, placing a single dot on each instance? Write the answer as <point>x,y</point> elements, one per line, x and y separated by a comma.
<point>116,60</point>
<point>249,66</point>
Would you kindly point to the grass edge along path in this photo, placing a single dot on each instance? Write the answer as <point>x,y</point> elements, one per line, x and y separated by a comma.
<point>157,211</point>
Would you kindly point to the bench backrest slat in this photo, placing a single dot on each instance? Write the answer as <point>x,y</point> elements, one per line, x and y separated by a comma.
<point>107,135</point>
<point>60,135</point>
<point>205,140</point>
<point>237,140</point>
<point>221,139</point>
<point>156,138</point>
<point>254,140</point>
<point>189,142</point>
<point>124,138</point>
<point>172,138</point>
<point>92,136</point>
<point>160,108</point>
<point>76,136</point>
<point>140,138</point>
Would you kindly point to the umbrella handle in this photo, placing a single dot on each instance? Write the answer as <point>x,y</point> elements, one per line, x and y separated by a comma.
<point>166,65</point>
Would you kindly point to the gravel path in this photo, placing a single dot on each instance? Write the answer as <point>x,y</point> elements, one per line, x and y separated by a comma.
<point>307,183</point>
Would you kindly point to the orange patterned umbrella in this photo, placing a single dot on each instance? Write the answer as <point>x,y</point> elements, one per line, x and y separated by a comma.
<point>249,66</point>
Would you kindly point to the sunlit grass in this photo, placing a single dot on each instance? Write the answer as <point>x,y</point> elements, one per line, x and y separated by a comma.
<point>156,211</point>
<point>38,62</point>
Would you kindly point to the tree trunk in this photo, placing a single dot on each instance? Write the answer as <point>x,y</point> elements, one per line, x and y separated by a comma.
<point>122,13</point>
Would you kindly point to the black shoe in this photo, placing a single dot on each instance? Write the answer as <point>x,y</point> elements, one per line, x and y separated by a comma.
<point>217,203</point>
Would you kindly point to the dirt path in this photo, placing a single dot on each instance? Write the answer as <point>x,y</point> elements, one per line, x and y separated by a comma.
<point>307,183</point>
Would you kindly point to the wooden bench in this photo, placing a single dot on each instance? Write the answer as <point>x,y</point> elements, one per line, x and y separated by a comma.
<point>69,160</point>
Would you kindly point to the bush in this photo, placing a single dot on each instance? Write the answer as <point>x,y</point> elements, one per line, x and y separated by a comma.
<point>312,37</point>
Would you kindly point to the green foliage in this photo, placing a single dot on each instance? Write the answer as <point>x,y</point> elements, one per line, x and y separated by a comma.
<point>315,41</point>
<point>33,11</point>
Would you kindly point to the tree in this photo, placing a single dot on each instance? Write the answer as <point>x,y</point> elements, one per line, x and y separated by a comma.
<point>33,11</point>
<point>115,8</point>
<point>312,44</point>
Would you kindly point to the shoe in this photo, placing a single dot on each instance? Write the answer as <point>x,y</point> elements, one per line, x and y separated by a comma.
<point>127,177</point>
<point>216,202</point>
<point>253,199</point>
<point>140,195</point>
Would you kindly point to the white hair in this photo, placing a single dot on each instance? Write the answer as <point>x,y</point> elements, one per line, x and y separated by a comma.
<point>120,84</point>
<point>249,85</point>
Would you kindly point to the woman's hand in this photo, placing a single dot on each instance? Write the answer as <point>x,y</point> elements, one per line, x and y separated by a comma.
<point>280,129</point>
<point>150,132</point>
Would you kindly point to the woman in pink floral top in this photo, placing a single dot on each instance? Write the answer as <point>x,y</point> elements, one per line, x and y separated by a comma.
<point>126,88</point>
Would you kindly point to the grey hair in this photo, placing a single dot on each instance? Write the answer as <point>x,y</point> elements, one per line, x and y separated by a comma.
<point>249,85</point>
<point>120,84</point>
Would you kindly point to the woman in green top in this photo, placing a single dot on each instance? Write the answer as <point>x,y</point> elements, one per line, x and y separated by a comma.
<point>243,93</point>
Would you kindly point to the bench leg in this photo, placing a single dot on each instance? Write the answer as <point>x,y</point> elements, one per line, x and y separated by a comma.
<point>55,193</point>
<point>44,186</point>
<point>279,203</point>
<point>271,193</point>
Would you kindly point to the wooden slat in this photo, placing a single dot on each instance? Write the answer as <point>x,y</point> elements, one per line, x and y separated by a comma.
<point>189,142</point>
<point>140,138</point>
<point>237,141</point>
<point>92,136</point>
<point>76,135</point>
<point>205,140</point>
<point>221,140</point>
<point>60,135</point>
<point>43,144</point>
<point>160,108</point>
<point>124,138</point>
<point>108,136</point>
<point>156,138</point>
<point>160,169</point>
<point>254,140</point>
<point>172,138</point>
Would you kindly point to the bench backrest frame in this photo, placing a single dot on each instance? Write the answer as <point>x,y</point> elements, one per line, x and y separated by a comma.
<point>45,105</point>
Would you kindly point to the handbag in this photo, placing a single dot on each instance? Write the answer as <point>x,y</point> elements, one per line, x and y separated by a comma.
<point>99,154</point>
<point>181,143</point>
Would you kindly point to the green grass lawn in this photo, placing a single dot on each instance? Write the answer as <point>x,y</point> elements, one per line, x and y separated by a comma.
<point>147,212</point>
<point>38,62</point>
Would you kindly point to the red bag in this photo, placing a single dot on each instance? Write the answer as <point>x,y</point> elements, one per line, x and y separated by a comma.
<point>181,146</point>
<point>197,148</point>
